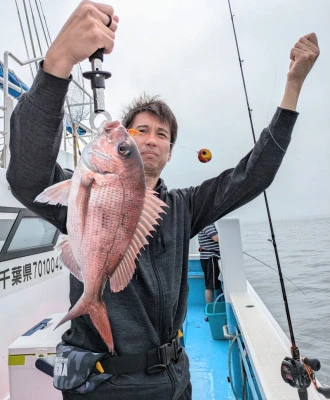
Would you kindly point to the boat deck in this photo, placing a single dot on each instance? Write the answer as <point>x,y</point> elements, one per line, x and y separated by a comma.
<point>208,357</point>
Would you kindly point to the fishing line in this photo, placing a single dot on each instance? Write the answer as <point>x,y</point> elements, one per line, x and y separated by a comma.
<point>293,370</point>
<point>269,266</point>
<point>204,155</point>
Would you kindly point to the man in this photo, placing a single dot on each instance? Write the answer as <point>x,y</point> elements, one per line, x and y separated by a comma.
<point>147,314</point>
<point>208,240</point>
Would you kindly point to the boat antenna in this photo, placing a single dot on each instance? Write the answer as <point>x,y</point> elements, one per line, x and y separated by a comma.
<point>298,373</point>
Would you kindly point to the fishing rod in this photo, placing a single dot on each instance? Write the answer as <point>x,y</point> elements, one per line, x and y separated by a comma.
<point>296,371</point>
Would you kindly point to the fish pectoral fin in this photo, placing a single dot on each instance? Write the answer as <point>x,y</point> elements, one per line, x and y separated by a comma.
<point>151,211</point>
<point>55,194</point>
<point>87,179</point>
<point>67,259</point>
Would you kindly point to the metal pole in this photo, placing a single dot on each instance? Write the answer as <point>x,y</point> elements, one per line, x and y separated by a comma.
<point>74,135</point>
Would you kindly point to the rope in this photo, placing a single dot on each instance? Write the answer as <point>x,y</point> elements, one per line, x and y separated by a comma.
<point>30,33</point>
<point>42,25</point>
<point>229,367</point>
<point>24,38</point>
<point>43,14</point>
<point>35,28</point>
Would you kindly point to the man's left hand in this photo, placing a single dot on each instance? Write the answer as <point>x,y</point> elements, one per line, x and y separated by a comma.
<point>303,56</point>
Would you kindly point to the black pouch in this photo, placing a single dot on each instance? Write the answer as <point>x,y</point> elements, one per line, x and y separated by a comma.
<point>74,369</point>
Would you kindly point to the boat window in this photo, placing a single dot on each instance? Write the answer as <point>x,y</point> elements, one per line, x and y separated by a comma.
<point>32,232</point>
<point>24,233</point>
<point>6,222</point>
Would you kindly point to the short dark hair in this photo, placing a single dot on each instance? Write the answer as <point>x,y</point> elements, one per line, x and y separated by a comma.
<point>154,105</point>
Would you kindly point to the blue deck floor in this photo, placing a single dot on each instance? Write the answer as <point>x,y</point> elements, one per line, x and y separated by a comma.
<point>208,357</point>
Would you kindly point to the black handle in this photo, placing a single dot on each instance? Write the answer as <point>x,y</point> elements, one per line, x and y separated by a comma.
<point>303,395</point>
<point>97,54</point>
<point>325,391</point>
<point>44,366</point>
<point>314,363</point>
<point>97,77</point>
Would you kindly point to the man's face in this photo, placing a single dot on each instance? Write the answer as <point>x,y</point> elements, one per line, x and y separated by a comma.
<point>153,142</point>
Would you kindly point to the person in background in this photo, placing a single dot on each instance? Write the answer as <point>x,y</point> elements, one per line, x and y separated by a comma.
<point>208,240</point>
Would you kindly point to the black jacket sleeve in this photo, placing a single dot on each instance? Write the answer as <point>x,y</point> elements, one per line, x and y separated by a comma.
<point>234,187</point>
<point>35,136</point>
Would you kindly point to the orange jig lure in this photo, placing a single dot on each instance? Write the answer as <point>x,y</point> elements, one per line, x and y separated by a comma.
<point>204,155</point>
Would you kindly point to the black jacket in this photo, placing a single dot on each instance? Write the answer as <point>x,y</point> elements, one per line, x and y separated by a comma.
<point>151,309</point>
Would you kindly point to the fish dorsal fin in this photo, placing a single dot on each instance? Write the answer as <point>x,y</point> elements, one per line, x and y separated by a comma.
<point>56,194</point>
<point>152,208</point>
<point>67,259</point>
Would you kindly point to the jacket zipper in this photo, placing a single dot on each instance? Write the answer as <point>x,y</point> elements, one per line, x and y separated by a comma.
<point>161,296</point>
<point>161,313</point>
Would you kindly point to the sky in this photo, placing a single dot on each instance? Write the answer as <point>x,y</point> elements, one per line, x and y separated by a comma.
<point>185,52</point>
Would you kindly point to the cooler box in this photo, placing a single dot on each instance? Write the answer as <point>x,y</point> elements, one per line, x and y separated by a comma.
<point>216,313</point>
<point>25,380</point>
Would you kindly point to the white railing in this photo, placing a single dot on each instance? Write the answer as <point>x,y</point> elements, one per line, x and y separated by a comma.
<point>8,105</point>
<point>265,343</point>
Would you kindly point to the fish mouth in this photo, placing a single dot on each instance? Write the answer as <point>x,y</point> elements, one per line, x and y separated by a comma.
<point>117,134</point>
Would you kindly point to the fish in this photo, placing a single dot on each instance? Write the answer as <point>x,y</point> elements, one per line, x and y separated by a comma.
<point>111,213</point>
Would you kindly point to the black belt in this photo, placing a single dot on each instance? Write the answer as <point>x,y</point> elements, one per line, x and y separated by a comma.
<point>152,361</point>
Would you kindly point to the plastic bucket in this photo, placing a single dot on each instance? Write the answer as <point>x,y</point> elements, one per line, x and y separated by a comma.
<point>216,313</point>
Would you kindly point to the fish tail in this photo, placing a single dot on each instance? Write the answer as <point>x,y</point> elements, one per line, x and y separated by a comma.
<point>80,308</point>
<point>99,316</point>
<point>100,319</point>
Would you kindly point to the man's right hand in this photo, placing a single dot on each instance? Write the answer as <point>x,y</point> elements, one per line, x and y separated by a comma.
<point>83,33</point>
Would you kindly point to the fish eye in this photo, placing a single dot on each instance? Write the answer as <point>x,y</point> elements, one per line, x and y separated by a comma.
<point>123,149</point>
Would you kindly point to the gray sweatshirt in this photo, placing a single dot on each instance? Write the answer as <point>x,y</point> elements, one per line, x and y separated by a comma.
<point>151,309</point>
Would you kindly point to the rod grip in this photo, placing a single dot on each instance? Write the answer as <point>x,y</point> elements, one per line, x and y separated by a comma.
<point>325,391</point>
<point>44,366</point>
<point>97,54</point>
<point>303,395</point>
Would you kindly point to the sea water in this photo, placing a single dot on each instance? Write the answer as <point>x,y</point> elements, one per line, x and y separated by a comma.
<point>304,252</point>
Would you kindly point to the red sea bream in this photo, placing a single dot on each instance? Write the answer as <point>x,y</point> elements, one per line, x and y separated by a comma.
<point>110,214</point>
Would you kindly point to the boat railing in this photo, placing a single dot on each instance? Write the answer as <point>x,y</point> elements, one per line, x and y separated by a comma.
<point>75,131</point>
<point>8,103</point>
<point>258,342</point>
<point>2,139</point>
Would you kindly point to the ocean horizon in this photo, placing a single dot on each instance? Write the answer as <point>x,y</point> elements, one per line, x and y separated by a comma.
<point>304,251</point>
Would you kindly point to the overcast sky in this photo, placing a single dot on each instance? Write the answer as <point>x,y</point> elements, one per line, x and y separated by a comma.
<point>185,51</point>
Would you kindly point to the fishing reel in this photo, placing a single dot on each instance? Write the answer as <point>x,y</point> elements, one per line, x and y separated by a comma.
<point>300,374</point>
